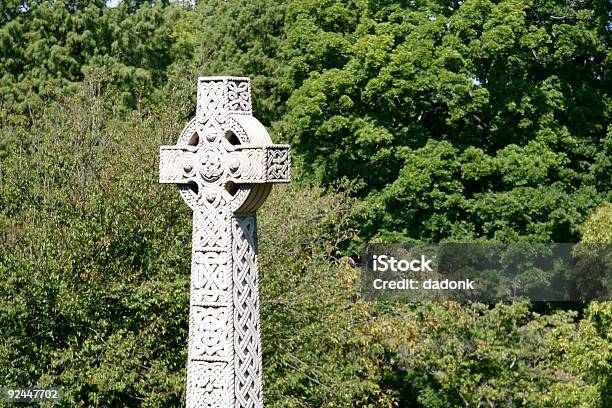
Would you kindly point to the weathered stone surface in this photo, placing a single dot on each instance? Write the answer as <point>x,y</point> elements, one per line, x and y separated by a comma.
<point>225,164</point>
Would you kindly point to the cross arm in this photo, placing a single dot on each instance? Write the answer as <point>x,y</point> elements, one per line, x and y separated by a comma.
<point>251,163</point>
<point>176,163</point>
<point>242,164</point>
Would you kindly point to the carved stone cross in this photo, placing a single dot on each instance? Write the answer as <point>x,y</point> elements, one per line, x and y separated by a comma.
<point>225,164</point>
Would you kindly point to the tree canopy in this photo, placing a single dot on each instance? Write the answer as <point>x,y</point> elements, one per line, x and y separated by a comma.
<point>423,120</point>
<point>53,45</point>
<point>456,120</point>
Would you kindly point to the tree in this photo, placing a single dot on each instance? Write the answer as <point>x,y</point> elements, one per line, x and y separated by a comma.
<point>244,38</point>
<point>502,355</point>
<point>592,274</point>
<point>49,45</point>
<point>456,119</point>
<point>94,271</point>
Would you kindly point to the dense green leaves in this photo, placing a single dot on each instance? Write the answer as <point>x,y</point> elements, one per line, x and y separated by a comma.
<point>319,349</point>
<point>424,120</point>
<point>48,45</point>
<point>92,262</point>
<point>474,119</point>
<point>95,261</point>
<point>95,269</point>
<point>501,356</point>
<point>244,38</point>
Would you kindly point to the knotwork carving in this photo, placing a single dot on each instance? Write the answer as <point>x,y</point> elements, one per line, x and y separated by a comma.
<point>239,95</point>
<point>246,314</point>
<point>207,384</point>
<point>224,163</point>
<point>278,164</point>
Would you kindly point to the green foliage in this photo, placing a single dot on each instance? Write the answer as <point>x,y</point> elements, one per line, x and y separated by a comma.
<point>95,280</point>
<point>456,120</point>
<point>478,356</point>
<point>94,263</point>
<point>93,259</point>
<point>319,349</point>
<point>48,45</point>
<point>464,120</point>
<point>244,38</point>
<point>591,273</point>
<point>598,227</point>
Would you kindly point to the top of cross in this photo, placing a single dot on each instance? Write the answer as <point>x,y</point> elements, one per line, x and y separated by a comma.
<point>224,157</point>
<point>224,95</point>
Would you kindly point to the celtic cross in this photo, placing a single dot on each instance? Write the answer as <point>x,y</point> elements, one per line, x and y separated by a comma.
<point>225,164</point>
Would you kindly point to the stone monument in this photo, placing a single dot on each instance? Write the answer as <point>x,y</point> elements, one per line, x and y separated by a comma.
<point>225,164</point>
